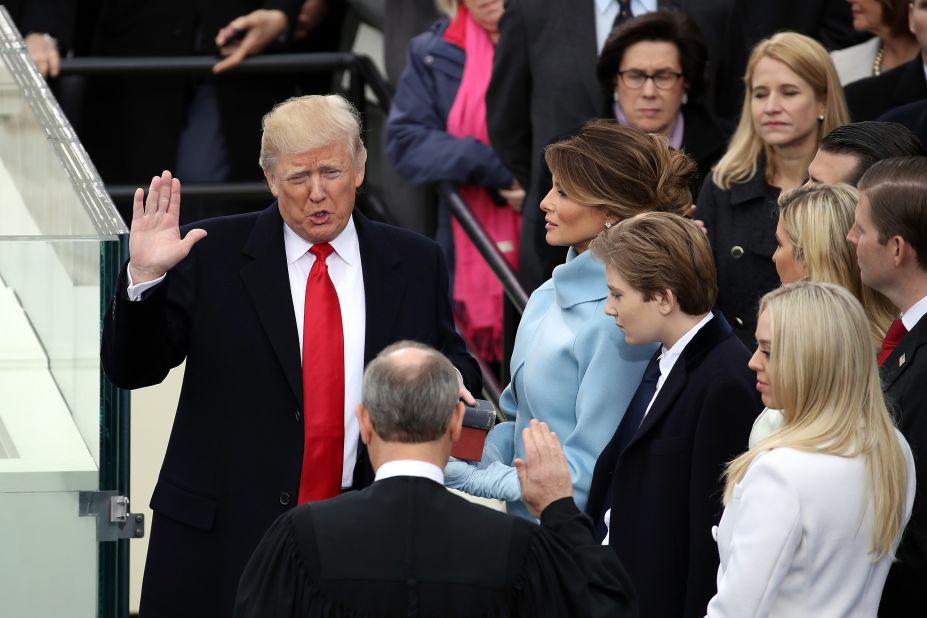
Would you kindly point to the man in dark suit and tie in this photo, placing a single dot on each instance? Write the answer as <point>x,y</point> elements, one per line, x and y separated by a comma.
<point>405,546</point>
<point>658,483</point>
<point>242,299</point>
<point>890,234</point>
<point>544,86</point>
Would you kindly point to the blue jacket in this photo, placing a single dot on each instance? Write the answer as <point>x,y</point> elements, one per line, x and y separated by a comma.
<point>572,369</point>
<point>417,142</point>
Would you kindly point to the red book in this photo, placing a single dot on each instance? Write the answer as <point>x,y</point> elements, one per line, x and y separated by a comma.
<point>476,425</point>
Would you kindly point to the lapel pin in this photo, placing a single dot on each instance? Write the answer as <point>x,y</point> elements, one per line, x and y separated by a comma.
<point>901,360</point>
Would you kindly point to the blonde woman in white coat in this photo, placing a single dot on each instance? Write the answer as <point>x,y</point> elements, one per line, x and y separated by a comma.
<point>814,512</point>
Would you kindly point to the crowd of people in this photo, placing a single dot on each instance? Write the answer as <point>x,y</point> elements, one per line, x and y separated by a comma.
<point>716,405</point>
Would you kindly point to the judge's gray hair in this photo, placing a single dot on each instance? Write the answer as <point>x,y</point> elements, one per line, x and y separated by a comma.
<point>309,122</point>
<point>410,397</point>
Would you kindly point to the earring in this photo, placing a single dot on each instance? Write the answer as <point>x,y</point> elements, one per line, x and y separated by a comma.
<point>821,118</point>
<point>685,98</point>
<point>609,224</point>
<point>615,95</point>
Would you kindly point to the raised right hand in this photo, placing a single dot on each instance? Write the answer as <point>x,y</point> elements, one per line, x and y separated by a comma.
<point>155,245</point>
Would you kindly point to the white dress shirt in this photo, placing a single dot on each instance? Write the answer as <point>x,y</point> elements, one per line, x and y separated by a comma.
<point>607,10</point>
<point>410,467</point>
<point>344,269</point>
<point>669,357</point>
<point>912,316</point>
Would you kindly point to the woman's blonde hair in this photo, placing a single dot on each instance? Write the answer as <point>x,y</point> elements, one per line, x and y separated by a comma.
<point>811,62</point>
<point>824,375</point>
<point>621,169</point>
<point>816,219</point>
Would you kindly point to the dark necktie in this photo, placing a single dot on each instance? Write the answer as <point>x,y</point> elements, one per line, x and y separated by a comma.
<point>627,429</point>
<point>893,337</point>
<point>323,384</point>
<point>634,415</point>
<point>624,13</point>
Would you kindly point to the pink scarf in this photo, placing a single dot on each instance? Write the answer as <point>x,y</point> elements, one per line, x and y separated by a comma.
<point>477,292</point>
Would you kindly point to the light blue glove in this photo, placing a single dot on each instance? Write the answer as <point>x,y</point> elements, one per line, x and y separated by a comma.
<point>499,445</point>
<point>497,480</point>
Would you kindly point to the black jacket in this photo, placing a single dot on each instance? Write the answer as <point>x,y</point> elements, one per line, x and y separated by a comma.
<point>667,484</point>
<point>903,375</point>
<point>871,97</point>
<point>741,225</point>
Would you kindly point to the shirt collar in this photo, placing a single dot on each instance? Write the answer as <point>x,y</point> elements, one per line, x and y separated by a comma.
<point>345,244</point>
<point>668,357</point>
<point>410,467</point>
<point>912,316</point>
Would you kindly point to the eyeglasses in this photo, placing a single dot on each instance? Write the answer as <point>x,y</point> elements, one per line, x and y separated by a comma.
<point>664,80</point>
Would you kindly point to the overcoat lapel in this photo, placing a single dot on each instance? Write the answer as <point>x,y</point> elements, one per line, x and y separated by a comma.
<point>267,283</point>
<point>384,286</point>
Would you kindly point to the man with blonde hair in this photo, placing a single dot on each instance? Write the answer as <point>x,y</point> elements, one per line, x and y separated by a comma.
<point>275,313</point>
<point>890,234</point>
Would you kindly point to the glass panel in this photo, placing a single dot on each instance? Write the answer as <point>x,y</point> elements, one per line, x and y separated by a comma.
<point>48,184</point>
<point>54,218</point>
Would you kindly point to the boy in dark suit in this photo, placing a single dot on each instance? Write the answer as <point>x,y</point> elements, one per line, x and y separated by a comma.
<point>407,547</point>
<point>658,483</point>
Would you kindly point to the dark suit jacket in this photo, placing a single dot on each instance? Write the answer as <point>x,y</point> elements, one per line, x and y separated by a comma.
<point>544,87</point>
<point>407,547</point>
<point>871,97</point>
<point>904,374</point>
<point>828,21</point>
<point>234,456</point>
<point>54,17</point>
<point>667,483</point>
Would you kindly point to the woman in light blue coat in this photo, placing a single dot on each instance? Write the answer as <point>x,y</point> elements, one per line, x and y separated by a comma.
<point>571,368</point>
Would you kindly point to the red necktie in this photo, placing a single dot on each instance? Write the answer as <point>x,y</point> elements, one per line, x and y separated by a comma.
<point>893,337</point>
<point>323,384</point>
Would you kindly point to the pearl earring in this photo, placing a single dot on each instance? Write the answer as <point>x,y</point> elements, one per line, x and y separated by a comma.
<point>615,95</point>
<point>821,118</point>
<point>685,98</point>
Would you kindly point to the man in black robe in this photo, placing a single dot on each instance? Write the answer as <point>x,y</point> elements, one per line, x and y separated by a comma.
<point>406,546</point>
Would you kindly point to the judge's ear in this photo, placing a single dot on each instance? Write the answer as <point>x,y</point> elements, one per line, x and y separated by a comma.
<point>363,420</point>
<point>456,425</point>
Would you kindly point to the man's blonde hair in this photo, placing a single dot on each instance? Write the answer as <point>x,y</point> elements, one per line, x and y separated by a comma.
<point>310,122</point>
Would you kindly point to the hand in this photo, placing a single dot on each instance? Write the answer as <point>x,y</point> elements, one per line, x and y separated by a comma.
<point>514,195</point>
<point>155,245</point>
<point>310,15</point>
<point>701,224</point>
<point>464,395</point>
<point>43,49</point>
<point>260,29</point>
<point>543,473</point>
<point>457,473</point>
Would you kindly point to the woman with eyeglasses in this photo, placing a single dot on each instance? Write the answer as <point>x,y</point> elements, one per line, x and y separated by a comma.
<point>652,69</point>
<point>792,99</point>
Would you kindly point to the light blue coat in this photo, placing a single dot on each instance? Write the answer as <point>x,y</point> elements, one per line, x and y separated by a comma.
<point>571,368</point>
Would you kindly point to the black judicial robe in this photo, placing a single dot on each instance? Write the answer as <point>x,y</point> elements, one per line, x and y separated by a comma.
<point>405,546</point>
